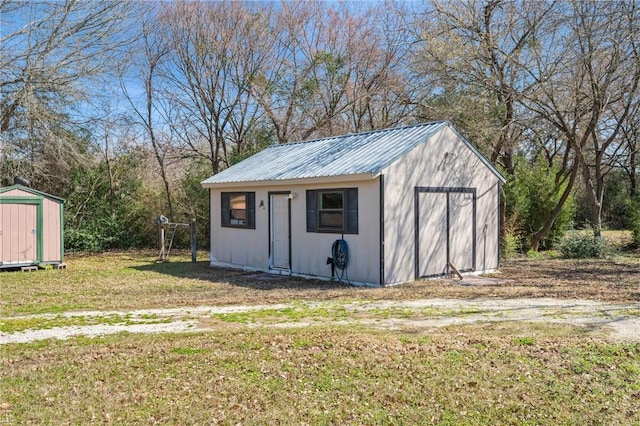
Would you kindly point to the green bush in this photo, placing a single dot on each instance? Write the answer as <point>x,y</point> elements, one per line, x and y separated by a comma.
<point>635,243</point>
<point>79,240</point>
<point>579,245</point>
<point>109,208</point>
<point>193,202</point>
<point>531,195</point>
<point>511,245</point>
<point>635,226</point>
<point>617,207</point>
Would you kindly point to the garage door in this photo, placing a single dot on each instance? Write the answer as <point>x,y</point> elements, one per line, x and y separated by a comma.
<point>445,230</point>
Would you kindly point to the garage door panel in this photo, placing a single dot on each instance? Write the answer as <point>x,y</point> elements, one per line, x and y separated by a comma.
<point>461,230</point>
<point>432,233</point>
<point>445,230</point>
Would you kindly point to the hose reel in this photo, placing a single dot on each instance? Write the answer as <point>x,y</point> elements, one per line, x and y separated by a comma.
<point>339,259</point>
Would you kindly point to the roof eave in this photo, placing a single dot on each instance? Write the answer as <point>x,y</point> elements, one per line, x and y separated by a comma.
<point>30,191</point>
<point>296,181</point>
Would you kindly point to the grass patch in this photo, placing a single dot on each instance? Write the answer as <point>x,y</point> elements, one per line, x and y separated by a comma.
<point>297,313</point>
<point>524,341</point>
<point>476,374</point>
<point>417,313</point>
<point>392,312</point>
<point>189,351</point>
<point>485,373</point>
<point>631,312</point>
<point>12,325</point>
<point>266,316</point>
<point>133,280</point>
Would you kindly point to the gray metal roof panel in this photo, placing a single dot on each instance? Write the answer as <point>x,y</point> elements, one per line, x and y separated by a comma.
<point>358,153</point>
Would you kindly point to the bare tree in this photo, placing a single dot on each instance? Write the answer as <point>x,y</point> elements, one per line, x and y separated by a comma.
<point>381,92</point>
<point>147,112</point>
<point>52,53</point>
<point>304,86</point>
<point>587,87</point>
<point>216,52</point>
<point>335,69</point>
<point>478,47</point>
<point>630,159</point>
<point>472,56</point>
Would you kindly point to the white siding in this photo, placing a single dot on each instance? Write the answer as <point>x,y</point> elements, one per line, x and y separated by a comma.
<point>461,230</point>
<point>442,162</point>
<point>309,251</point>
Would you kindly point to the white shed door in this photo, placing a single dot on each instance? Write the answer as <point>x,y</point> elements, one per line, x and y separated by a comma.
<point>461,230</point>
<point>280,247</point>
<point>432,233</point>
<point>445,230</point>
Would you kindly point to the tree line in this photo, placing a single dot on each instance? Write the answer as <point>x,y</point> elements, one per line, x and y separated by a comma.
<point>122,108</point>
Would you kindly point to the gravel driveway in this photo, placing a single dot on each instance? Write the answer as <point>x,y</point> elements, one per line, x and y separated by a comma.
<point>619,321</point>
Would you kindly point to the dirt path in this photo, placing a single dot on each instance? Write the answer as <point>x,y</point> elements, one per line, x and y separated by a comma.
<point>619,321</point>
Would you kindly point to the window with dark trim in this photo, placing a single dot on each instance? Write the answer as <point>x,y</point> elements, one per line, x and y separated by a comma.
<point>332,210</point>
<point>238,209</point>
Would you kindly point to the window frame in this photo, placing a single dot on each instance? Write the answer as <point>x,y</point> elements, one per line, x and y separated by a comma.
<point>227,212</point>
<point>322,209</point>
<point>349,211</point>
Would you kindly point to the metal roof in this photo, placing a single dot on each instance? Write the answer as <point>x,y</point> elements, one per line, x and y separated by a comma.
<point>353,154</point>
<point>30,191</point>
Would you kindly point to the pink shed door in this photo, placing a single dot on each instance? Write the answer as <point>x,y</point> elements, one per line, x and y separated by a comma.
<point>18,233</point>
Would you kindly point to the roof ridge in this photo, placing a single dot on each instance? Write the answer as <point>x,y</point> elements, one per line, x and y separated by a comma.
<point>368,132</point>
<point>352,154</point>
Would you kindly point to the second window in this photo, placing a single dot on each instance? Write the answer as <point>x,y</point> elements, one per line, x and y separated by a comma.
<point>332,210</point>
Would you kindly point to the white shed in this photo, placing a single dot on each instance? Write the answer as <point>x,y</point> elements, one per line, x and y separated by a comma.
<point>407,203</point>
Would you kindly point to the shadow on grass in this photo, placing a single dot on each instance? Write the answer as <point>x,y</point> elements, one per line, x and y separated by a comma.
<point>248,279</point>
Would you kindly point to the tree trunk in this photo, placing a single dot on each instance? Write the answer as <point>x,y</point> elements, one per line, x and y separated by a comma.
<point>544,231</point>
<point>503,219</point>
<point>595,194</point>
<point>632,174</point>
<point>596,219</point>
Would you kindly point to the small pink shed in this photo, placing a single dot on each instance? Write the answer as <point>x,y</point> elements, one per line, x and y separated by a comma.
<point>31,228</point>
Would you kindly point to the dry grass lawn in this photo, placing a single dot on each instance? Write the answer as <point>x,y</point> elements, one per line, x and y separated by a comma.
<point>471,375</point>
<point>485,373</point>
<point>134,280</point>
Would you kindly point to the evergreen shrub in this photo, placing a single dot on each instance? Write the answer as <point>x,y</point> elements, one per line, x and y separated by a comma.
<point>579,245</point>
<point>635,223</point>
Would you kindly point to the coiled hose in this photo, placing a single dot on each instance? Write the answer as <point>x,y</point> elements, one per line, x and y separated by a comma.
<point>340,256</point>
